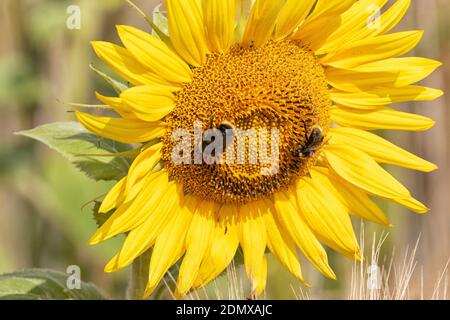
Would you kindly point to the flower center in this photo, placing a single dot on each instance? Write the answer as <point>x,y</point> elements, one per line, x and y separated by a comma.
<point>274,103</point>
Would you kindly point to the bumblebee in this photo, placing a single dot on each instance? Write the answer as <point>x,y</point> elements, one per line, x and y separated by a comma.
<point>227,131</point>
<point>313,141</point>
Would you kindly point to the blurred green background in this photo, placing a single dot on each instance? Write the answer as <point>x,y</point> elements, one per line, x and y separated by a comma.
<point>45,209</point>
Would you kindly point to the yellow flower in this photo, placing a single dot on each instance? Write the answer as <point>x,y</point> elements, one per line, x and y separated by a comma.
<point>320,72</point>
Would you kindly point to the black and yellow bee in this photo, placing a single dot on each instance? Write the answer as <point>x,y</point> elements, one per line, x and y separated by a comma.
<point>313,141</point>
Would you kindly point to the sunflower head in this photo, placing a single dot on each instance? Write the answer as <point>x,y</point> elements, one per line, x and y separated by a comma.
<point>290,91</point>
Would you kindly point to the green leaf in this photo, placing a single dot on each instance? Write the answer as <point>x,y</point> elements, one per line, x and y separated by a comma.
<point>156,25</point>
<point>160,21</point>
<point>100,218</point>
<point>43,284</point>
<point>89,152</point>
<point>118,87</point>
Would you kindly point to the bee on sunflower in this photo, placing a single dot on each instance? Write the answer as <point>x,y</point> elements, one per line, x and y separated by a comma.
<point>317,71</point>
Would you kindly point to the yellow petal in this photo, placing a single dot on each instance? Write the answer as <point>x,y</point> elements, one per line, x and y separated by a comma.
<point>114,102</point>
<point>362,171</point>
<point>354,19</point>
<point>155,55</point>
<point>261,22</point>
<point>380,118</point>
<point>326,13</point>
<point>359,204</point>
<point>330,8</point>
<point>253,237</point>
<point>149,103</point>
<point>130,215</point>
<point>373,49</point>
<point>412,204</point>
<point>384,96</point>
<point>243,8</point>
<point>219,16</point>
<point>292,223</point>
<point>144,163</point>
<point>187,30</point>
<point>386,22</point>
<point>125,64</point>
<point>314,35</point>
<point>357,201</point>
<point>170,245</point>
<point>345,23</point>
<point>282,246</point>
<point>379,149</point>
<point>117,104</point>
<point>396,72</point>
<point>291,16</point>
<point>140,239</point>
<point>198,241</point>
<point>115,197</point>
<point>224,243</point>
<point>260,277</point>
<point>326,215</point>
<point>399,65</point>
<point>122,130</point>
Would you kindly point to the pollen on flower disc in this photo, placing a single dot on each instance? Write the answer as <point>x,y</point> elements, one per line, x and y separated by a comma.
<point>280,85</point>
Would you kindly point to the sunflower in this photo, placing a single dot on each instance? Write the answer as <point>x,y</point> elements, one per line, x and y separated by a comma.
<point>323,73</point>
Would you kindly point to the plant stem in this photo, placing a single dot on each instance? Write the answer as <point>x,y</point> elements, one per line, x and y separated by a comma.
<point>139,277</point>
